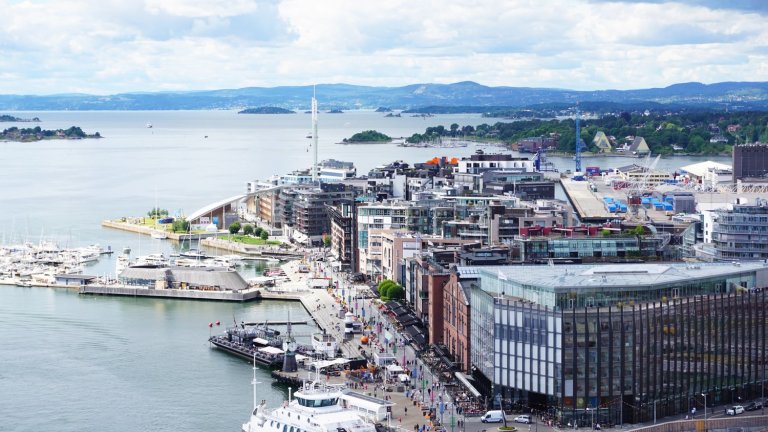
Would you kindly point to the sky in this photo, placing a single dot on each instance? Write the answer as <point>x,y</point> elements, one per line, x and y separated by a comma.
<point>120,46</point>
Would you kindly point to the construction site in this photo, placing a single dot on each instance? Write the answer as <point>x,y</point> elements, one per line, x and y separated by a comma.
<point>641,193</point>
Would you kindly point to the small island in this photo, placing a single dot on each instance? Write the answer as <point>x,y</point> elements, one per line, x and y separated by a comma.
<point>12,119</point>
<point>368,137</point>
<point>335,111</point>
<point>266,110</point>
<point>37,134</point>
<point>384,109</point>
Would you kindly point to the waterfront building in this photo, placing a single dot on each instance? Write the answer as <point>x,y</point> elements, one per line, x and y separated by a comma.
<point>740,232</point>
<point>332,171</point>
<point>620,343</point>
<point>750,161</point>
<point>602,142</point>
<point>477,163</point>
<point>310,219</point>
<point>639,146</point>
<point>534,144</point>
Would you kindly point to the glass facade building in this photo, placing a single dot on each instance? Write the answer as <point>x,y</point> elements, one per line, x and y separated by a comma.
<point>620,344</point>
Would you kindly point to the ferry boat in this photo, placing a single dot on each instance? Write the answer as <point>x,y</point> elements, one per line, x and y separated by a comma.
<point>316,407</point>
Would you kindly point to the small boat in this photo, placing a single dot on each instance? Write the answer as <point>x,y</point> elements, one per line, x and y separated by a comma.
<point>149,125</point>
<point>160,235</point>
<point>127,250</point>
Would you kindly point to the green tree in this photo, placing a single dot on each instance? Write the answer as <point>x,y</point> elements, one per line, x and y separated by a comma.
<point>385,286</point>
<point>180,225</point>
<point>248,229</point>
<point>157,212</point>
<point>326,240</point>
<point>264,235</point>
<point>396,292</point>
<point>234,228</point>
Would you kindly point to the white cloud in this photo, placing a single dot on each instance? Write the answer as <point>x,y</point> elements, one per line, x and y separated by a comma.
<point>111,46</point>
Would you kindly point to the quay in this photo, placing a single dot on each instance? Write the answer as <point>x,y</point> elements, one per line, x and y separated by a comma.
<point>141,229</point>
<point>586,203</point>
<point>132,291</point>
<point>251,251</point>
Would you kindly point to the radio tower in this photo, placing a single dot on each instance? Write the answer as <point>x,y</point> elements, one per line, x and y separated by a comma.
<point>578,141</point>
<point>314,136</point>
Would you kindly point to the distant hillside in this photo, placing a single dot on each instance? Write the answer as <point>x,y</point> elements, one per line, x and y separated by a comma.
<point>465,96</point>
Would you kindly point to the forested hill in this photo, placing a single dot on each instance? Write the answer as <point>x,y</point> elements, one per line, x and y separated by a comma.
<point>465,96</point>
<point>692,133</point>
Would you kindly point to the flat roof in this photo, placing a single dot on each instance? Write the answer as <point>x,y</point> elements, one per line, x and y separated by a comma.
<point>565,277</point>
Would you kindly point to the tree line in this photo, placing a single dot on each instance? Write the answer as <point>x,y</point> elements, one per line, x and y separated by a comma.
<point>690,131</point>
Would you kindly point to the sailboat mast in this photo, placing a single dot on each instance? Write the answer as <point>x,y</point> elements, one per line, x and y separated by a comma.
<point>314,137</point>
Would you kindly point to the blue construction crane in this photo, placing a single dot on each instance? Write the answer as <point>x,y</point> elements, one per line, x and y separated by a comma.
<point>577,158</point>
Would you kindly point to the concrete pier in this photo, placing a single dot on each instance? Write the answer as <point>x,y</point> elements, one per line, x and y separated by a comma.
<point>587,204</point>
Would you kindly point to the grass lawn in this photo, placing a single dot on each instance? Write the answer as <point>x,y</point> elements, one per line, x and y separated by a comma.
<point>251,240</point>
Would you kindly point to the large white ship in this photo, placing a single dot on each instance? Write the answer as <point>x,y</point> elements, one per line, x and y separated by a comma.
<point>317,407</point>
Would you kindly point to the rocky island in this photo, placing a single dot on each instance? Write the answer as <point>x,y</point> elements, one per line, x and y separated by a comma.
<point>266,110</point>
<point>367,137</point>
<point>38,134</point>
<point>12,119</point>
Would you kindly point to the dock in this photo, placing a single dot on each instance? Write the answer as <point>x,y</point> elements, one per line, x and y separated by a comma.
<point>130,291</point>
<point>588,205</point>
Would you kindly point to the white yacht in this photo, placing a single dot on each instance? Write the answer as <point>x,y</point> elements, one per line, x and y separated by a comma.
<point>315,408</point>
<point>159,235</point>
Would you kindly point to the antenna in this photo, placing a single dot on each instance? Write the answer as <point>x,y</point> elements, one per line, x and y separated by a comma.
<point>577,158</point>
<point>314,135</point>
<point>253,381</point>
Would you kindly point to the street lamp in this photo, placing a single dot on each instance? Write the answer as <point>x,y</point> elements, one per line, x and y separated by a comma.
<point>705,410</point>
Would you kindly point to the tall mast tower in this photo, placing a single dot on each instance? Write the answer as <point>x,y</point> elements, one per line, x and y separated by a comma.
<point>314,136</point>
<point>577,158</point>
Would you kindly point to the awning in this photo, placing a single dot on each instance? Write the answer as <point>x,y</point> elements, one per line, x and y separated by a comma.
<point>271,350</point>
<point>464,380</point>
<point>260,341</point>
<point>325,363</point>
<point>394,369</point>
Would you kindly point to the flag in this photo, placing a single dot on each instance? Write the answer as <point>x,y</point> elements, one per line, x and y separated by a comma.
<point>502,276</point>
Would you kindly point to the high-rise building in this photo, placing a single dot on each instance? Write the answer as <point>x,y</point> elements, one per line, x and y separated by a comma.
<point>619,343</point>
<point>750,161</point>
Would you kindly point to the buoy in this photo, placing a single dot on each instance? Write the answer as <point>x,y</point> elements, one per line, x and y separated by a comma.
<point>364,340</point>
<point>210,324</point>
<point>218,323</point>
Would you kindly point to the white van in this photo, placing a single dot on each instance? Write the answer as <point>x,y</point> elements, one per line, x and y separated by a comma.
<point>492,417</point>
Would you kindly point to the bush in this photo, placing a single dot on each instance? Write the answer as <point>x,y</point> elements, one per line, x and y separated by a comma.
<point>385,286</point>
<point>248,229</point>
<point>257,231</point>
<point>264,235</point>
<point>180,225</point>
<point>234,228</point>
<point>396,292</point>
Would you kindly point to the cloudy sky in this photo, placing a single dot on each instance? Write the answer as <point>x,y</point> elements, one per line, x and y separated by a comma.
<point>113,46</point>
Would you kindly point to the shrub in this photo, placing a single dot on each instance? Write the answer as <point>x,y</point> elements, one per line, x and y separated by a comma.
<point>234,228</point>
<point>248,229</point>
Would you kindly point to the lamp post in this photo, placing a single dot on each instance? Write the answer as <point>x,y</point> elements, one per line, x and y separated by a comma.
<point>705,411</point>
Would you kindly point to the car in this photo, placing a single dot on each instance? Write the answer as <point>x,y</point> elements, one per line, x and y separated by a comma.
<point>492,417</point>
<point>736,409</point>
<point>525,418</point>
<point>752,406</point>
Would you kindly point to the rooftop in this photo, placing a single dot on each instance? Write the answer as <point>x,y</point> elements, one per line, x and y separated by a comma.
<point>568,277</point>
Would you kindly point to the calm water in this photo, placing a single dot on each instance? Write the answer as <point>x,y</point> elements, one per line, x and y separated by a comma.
<point>71,363</point>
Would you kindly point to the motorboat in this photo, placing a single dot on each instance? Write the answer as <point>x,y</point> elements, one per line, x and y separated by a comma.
<point>159,235</point>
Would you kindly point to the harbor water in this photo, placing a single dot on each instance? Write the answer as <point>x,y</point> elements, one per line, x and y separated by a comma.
<point>72,363</point>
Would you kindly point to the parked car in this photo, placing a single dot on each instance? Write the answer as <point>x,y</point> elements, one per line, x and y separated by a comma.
<point>525,418</point>
<point>752,406</point>
<point>736,409</point>
<point>492,417</point>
